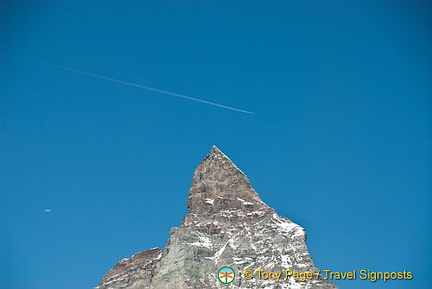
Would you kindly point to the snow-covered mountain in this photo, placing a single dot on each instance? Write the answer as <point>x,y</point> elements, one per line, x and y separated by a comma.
<point>227,225</point>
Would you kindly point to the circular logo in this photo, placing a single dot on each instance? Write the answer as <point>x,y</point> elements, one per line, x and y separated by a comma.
<point>226,275</point>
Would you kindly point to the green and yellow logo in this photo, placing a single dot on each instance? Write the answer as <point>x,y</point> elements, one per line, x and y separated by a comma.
<point>226,275</point>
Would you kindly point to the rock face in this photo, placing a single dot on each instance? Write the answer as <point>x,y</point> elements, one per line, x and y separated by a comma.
<point>227,225</point>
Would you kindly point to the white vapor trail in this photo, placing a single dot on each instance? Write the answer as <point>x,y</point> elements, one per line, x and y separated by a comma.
<point>129,83</point>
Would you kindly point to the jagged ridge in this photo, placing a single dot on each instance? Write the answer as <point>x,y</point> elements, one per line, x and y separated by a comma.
<point>227,224</point>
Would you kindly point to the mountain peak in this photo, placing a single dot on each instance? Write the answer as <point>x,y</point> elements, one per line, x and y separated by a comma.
<point>227,225</point>
<point>218,185</point>
<point>215,152</point>
<point>216,166</point>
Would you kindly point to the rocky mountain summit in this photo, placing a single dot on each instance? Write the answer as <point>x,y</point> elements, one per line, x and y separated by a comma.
<point>227,225</point>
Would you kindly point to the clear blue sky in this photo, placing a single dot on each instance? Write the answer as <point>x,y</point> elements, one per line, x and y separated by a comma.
<point>340,141</point>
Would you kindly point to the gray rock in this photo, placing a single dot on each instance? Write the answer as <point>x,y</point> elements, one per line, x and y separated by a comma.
<point>227,225</point>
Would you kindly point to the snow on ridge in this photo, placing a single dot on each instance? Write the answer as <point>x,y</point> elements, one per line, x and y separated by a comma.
<point>286,226</point>
<point>225,156</point>
<point>218,253</point>
<point>209,201</point>
<point>286,261</point>
<point>246,203</point>
<point>203,242</point>
<point>232,244</point>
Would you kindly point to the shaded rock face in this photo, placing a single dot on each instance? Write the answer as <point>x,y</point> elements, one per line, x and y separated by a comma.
<point>227,225</point>
<point>135,272</point>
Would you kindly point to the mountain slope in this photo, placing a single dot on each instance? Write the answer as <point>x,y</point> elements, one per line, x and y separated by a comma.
<point>227,224</point>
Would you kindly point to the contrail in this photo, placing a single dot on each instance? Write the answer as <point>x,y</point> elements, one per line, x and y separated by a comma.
<point>128,83</point>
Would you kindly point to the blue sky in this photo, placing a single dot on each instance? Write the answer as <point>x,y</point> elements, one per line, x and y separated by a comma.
<point>340,141</point>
